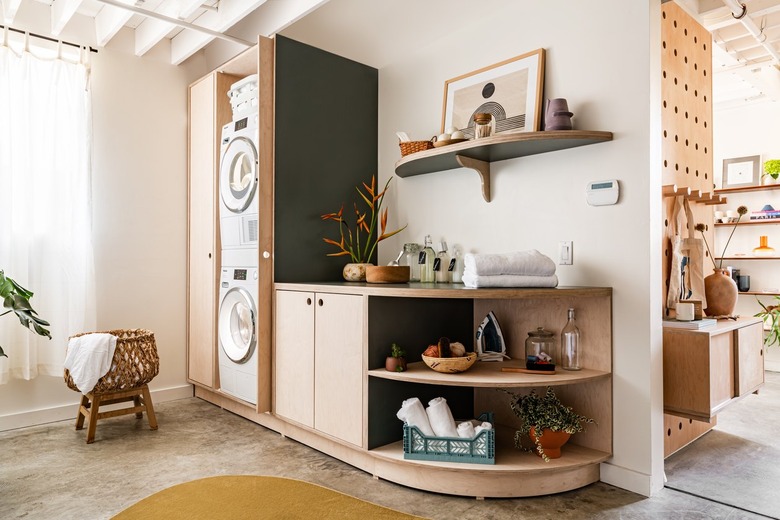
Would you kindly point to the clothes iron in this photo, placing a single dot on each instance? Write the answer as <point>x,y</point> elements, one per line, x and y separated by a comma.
<point>490,340</point>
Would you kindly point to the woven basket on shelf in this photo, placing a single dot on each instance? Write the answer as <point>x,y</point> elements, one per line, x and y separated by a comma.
<point>135,361</point>
<point>408,147</point>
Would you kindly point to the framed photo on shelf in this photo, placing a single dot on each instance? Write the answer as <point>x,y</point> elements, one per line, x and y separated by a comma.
<point>741,172</point>
<point>510,90</point>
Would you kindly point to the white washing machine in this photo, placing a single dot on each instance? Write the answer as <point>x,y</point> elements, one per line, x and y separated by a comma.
<point>238,200</point>
<point>237,332</point>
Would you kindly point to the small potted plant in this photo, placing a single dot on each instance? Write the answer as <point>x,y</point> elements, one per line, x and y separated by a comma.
<point>396,362</point>
<point>771,316</point>
<point>771,170</point>
<point>546,421</point>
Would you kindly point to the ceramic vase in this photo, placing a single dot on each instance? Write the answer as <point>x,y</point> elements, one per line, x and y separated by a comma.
<point>551,441</point>
<point>395,364</point>
<point>721,293</point>
<point>355,272</point>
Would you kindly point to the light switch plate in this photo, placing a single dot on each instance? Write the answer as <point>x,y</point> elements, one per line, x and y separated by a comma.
<point>566,253</point>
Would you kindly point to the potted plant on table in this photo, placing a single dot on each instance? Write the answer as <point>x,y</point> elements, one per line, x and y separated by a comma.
<point>16,299</point>
<point>360,242</point>
<point>546,421</point>
<point>771,171</point>
<point>396,361</point>
<point>771,316</point>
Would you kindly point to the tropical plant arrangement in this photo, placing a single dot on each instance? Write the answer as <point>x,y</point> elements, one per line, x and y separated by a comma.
<point>701,228</point>
<point>771,316</point>
<point>544,412</point>
<point>772,168</point>
<point>16,299</point>
<point>360,242</point>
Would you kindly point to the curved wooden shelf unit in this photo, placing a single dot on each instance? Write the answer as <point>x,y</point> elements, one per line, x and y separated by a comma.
<point>489,375</point>
<point>768,187</point>
<point>478,154</point>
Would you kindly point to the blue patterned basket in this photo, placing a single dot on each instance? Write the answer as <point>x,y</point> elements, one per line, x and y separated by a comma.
<point>479,450</point>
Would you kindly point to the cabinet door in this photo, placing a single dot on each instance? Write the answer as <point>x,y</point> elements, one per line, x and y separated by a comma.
<point>338,366</point>
<point>294,356</point>
<point>721,371</point>
<point>201,238</point>
<point>749,362</point>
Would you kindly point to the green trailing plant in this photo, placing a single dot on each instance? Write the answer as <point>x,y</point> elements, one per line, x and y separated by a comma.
<point>16,299</point>
<point>396,351</point>
<point>545,411</point>
<point>772,168</point>
<point>701,228</point>
<point>771,316</point>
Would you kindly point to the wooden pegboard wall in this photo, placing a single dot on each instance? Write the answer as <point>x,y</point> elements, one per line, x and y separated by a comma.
<point>686,118</point>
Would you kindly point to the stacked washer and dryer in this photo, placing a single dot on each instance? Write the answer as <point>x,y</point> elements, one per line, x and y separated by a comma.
<point>238,218</point>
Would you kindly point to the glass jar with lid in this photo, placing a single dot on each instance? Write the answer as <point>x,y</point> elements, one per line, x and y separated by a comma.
<point>411,258</point>
<point>539,350</point>
<point>484,125</point>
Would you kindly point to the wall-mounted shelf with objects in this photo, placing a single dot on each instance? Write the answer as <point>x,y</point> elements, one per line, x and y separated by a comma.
<point>767,187</point>
<point>749,222</point>
<point>746,257</point>
<point>478,154</point>
<point>702,197</point>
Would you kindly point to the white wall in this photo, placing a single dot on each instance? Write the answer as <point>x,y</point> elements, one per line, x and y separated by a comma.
<point>139,172</point>
<point>608,73</point>
<point>742,132</point>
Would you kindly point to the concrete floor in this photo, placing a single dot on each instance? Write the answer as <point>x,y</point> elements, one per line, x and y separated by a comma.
<point>49,472</point>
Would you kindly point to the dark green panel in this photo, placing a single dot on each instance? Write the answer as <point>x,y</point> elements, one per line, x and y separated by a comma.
<point>385,397</point>
<point>414,323</point>
<point>325,145</point>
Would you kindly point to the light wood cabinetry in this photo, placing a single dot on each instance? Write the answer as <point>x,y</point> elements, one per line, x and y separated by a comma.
<point>319,362</point>
<point>707,369</point>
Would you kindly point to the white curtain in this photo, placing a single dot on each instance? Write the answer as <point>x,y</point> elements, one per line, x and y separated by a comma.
<point>45,208</point>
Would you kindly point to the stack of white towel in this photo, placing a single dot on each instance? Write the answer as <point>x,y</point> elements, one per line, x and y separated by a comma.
<point>522,269</point>
<point>437,421</point>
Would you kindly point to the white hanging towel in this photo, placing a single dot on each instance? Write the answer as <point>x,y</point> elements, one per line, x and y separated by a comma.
<point>88,358</point>
<point>530,263</point>
<point>440,417</point>
<point>413,414</point>
<point>509,280</point>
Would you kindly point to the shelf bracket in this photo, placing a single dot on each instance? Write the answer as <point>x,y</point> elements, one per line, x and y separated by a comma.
<point>482,168</point>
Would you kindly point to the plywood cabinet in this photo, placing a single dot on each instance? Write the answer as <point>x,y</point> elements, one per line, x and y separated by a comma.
<point>319,362</point>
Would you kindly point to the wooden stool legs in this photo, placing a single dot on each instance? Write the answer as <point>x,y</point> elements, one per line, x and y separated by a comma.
<point>89,408</point>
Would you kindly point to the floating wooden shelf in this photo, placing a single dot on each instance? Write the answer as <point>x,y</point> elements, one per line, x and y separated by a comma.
<point>702,197</point>
<point>760,293</point>
<point>749,222</point>
<point>769,187</point>
<point>749,257</point>
<point>478,154</point>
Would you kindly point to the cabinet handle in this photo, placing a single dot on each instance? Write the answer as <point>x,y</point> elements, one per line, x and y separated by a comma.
<point>308,301</point>
<point>266,254</point>
<point>319,302</point>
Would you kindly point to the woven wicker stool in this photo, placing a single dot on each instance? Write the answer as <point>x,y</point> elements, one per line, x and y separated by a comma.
<point>134,364</point>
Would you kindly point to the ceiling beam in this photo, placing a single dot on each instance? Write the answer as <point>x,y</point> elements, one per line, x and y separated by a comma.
<point>108,22</point>
<point>151,30</point>
<point>9,10</point>
<point>61,13</point>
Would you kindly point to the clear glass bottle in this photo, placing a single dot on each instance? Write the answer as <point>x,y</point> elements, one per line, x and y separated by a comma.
<point>570,344</point>
<point>426,258</point>
<point>411,258</point>
<point>456,266</point>
<point>441,266</point>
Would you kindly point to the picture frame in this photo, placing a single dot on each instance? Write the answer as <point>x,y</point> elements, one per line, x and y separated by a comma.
<point>510,90</point>
<point>741,172</point>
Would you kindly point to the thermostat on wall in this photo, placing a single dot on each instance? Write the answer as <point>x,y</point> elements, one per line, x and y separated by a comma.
<point>603,193</point>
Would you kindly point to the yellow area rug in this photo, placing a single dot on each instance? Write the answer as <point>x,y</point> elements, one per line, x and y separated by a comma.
<point>252,497</point>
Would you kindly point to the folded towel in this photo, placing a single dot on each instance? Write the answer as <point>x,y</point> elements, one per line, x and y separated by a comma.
<point>508,280</point>
<point>413,414</point>
<point>530,262</point>
<point>466,430</point>
<point>440,417</point>
<point>482,427</point>
<point>88,358</point>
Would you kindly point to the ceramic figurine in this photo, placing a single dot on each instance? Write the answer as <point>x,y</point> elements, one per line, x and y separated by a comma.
<point>557,115</point>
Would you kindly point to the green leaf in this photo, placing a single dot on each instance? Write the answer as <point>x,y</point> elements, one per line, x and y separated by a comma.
<point>6,288</point>
<point>2,354</point>
<point>20,290</point>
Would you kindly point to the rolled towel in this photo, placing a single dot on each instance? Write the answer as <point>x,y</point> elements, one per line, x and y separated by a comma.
<point>482,427</point>
<point>88,358</point>
<point>440,417</point>
<point>530,262</point>
<point>466,430</point>
<point>508,280</point>
<point>413,414</point>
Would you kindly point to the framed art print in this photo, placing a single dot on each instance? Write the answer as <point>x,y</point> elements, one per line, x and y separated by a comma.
<point>510,90</point>
<point>741,172</point>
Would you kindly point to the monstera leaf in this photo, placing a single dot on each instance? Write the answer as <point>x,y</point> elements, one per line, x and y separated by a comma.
<point>16,299</point>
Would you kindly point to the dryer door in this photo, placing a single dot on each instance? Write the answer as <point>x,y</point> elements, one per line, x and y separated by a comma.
<point>238,174</point>
<point>237,321</point>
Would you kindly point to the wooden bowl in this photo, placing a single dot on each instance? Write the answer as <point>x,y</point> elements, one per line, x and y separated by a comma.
<point>387,273</point>
<point>451,365</point>
<point>447,142</point>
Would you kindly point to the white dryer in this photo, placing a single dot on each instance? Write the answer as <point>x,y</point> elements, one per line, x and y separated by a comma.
<point>238,180</point>
<point>237,332</point>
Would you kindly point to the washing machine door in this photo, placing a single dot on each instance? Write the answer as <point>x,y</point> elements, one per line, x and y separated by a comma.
<point>238,174</point>
<point>237,320</point>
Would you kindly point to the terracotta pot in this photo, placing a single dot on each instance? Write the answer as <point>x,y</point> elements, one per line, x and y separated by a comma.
<point>355,272</point>
<point>551,441</point>
<point>721,293</point>
<point>395,364</point>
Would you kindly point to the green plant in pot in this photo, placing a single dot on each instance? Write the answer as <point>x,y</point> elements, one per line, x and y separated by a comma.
<point>545,419</point>
<point>396,361</point>
<point>16,299</point>
<point>772,169</point>
<point>771,316</point>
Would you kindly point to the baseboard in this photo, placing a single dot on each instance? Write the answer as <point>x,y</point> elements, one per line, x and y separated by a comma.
<point>627,479</point>
<point>67,412</point>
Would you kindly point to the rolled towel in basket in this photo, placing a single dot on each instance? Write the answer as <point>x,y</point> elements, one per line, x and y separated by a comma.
<point>484,426</point>
<point>413,414</point>
<point>88,358</point>
<point>509,280</point>
<point>440,417</point>
<point>532,263</point>
<point>466,430</point>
